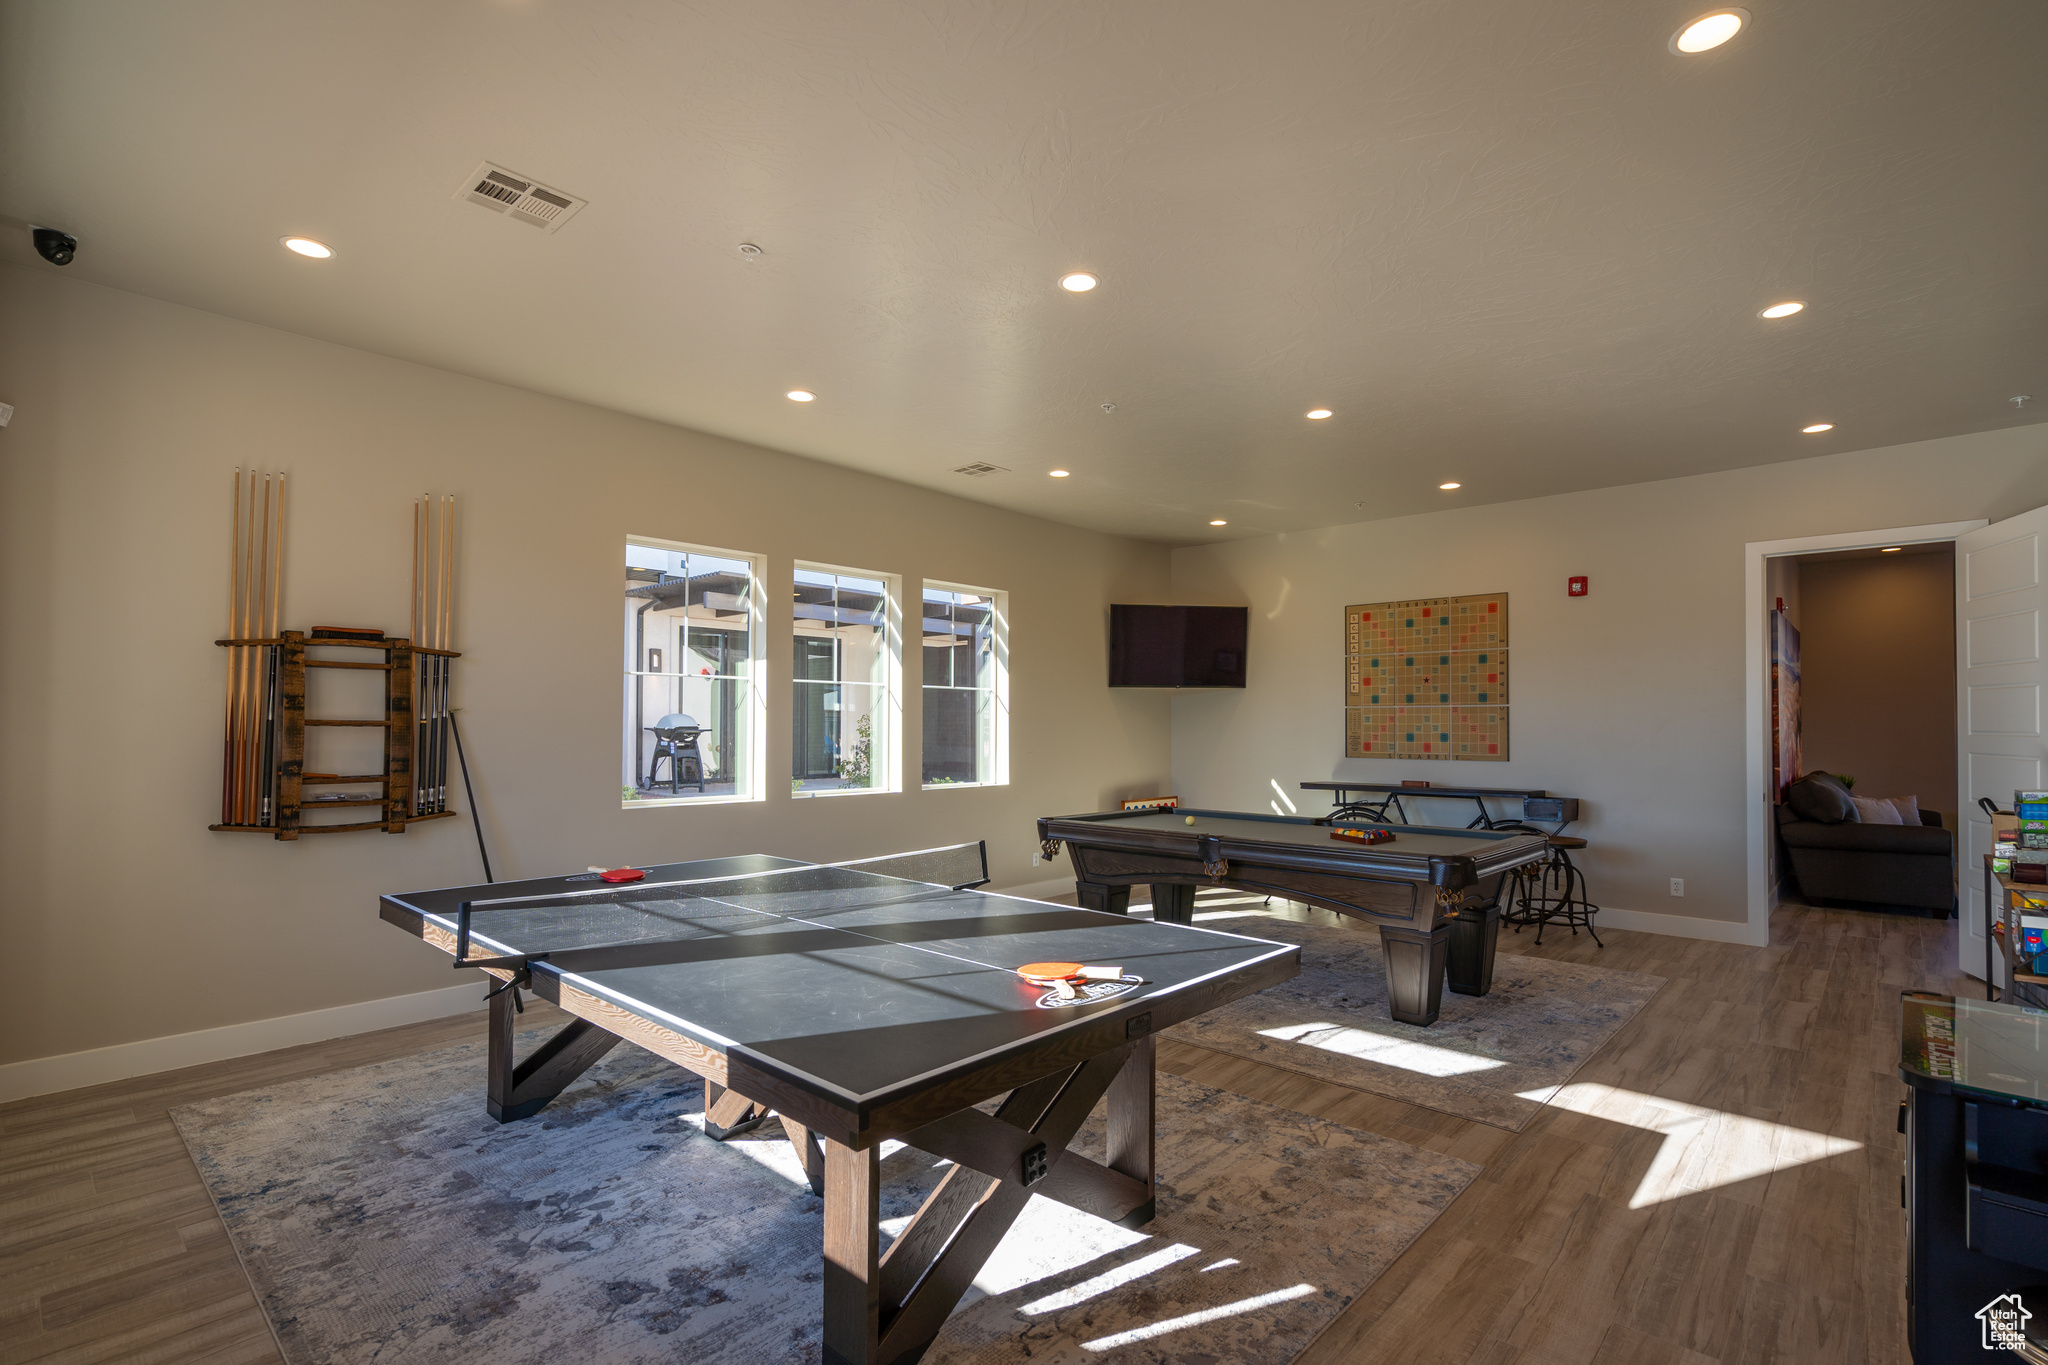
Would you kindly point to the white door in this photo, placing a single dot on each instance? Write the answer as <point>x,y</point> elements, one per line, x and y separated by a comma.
<point>1999,678</point>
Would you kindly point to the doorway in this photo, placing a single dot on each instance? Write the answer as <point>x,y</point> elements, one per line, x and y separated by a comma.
<point>1873,679</point>
<point>1770,565</point>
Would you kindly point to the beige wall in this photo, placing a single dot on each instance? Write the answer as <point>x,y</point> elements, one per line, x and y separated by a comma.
<point>1879,674</point>
<point>124,918</point>
<point>1631,698</point>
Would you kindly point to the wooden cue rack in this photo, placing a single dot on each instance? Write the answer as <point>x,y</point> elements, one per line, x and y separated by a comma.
<point>397,800</point>
<point>263,776</point>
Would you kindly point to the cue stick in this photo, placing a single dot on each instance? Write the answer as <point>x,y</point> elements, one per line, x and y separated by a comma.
<point>236,631</point>
<point>429,678</point>
<point>252,706</point>
<point>469,794</point>
<point>447,633</point>
<point>248,679</point>
<point>259,749</point>
<point>273,741</point>
<point>227,742</point>
<point>413,777</point>
<point>427,661</point>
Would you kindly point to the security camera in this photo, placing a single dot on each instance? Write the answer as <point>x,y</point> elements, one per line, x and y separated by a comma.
<point>53,246</point>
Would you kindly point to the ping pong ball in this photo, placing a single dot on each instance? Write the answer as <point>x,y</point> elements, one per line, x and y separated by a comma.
<point>1191,819</point>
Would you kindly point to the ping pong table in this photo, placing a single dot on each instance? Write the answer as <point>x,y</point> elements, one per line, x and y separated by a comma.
<point>859,1002</point>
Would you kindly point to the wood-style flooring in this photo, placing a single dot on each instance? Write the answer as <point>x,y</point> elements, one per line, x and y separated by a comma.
<point>110,1249</point>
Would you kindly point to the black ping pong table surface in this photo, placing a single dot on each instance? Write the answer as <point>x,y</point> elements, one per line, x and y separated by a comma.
<point>855,988</point>
<point>857,1006</point>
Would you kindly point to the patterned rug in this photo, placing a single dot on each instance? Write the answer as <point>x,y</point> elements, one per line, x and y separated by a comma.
<point>1494,1059</point>
<point>382,1216</point>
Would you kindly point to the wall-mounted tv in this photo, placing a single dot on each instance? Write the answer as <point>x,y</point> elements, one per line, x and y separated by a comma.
<point>1176,646</point>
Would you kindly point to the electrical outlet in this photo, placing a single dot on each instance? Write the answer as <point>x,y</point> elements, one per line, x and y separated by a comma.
<point>1678,886</point>
<point>1036,859</point>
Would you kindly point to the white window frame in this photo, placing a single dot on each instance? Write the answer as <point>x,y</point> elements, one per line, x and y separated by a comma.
<point>999,602</point>
<point>755,702</point>
<point>891,707</point>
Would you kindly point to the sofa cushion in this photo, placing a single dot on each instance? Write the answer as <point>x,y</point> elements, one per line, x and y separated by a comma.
<point>1821,798</point>
<point>1848,836</point>
<point>1879,810</point>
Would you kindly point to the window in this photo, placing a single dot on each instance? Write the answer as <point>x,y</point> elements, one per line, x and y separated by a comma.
<point>690,730</point>
<point>966,686</point>
<point>842,683</point>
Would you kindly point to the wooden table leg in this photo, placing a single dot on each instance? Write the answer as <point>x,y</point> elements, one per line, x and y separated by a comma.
<point>1173,904</point>
<point>1469,961</point>
<point>853,1215</point>
<point>1098,896</point>
<point>513,1089</point>
<point>1415,971</point>
<point>728,1113</point>
<point>1132,1110</point>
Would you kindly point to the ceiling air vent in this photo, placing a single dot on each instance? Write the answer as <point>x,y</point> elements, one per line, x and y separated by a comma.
<point>979,470</point>
<point>518,198</point>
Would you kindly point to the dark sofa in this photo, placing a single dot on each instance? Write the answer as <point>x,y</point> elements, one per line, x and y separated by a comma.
<point>1836,857</point>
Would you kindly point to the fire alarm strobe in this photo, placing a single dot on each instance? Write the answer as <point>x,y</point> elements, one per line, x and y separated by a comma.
<point>1575,587</point>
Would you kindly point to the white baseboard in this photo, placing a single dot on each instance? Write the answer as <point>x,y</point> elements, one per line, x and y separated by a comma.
<point>1681,926</point>
<point>71,1070</point>
<point>1038,891</point>
<point>48,1075</point>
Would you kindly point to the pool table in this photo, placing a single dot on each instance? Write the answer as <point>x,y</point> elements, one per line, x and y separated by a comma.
<point>1434,892</point>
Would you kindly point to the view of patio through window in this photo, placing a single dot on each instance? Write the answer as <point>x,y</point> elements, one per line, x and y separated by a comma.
<point>839,682</point>
<point>689,674</point>
<point>963,686</point>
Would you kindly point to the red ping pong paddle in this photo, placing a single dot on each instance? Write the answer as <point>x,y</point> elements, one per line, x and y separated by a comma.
<point>1045,973</point>
<point>622,874</point>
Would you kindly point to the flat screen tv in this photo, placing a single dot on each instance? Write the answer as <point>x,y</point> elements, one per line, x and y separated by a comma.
<point>1176,646</point>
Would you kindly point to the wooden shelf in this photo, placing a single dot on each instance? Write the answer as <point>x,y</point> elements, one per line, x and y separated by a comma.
<point>374,824</point>
<point>283,689</point>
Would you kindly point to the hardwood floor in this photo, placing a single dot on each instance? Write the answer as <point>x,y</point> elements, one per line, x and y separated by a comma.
<point>110,1249</point>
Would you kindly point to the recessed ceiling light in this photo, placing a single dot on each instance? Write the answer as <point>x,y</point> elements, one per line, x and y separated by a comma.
<point>1782,310</point>
<point>1318,414</point>
<point>801,395</point>
<point>1709,31</point>
<point>1080,282</point>
<point>1891,549</point>
<point>1818,427</point>
<point>1219,522</point>
<point>1058,473</point>
<point>306,246</point>
<point>1449,486</point>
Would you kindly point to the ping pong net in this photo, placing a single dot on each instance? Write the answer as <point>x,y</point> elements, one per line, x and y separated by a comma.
<point>604,919</point>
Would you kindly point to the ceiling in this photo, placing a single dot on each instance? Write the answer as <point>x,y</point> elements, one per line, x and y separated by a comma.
<point>1513,243</point>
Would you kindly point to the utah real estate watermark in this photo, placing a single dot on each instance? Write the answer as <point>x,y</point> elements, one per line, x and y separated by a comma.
<point>2005,1323</point>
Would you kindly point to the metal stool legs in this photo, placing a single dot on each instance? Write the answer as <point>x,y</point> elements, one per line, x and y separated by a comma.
<point>1550,892</point>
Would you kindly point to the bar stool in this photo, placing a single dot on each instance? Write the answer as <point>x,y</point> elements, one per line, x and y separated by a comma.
<point>1551,892</point>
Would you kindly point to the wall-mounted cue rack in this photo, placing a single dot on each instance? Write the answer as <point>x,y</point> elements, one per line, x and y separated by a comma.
<point>264,779</point>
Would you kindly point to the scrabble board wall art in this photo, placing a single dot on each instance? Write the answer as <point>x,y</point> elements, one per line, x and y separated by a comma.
<point>1427,679</point>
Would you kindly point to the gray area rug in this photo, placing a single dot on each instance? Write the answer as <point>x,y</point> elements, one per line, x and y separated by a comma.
<point>382,1216</point>
<point>1494,1059</point>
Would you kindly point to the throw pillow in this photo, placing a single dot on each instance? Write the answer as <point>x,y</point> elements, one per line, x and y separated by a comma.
<point>1876,810</point>
<point>1821,798</point>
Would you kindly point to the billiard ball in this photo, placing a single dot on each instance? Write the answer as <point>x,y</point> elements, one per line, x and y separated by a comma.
<point>1191,819</point>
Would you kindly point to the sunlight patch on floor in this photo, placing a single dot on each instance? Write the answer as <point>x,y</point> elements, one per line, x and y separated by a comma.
<point>1102,1284</point>
<point>1424,1058</point>
<point>1228,1310</point>
<point>1703,1149</point>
